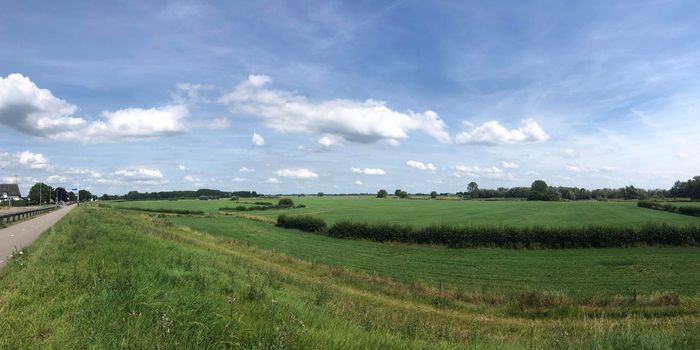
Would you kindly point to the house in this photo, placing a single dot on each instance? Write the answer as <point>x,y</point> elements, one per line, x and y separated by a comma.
<point>10,191</point>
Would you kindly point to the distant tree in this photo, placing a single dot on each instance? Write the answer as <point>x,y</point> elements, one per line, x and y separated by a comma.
<point>320,194</point>
<point>433,194</point>
<point>60,194</point>
<point>551,194</point>
<point>382,193</point>
<point>285,202</point>
<point>40,192</point>
<point>403,194</point>
<point>568,193</point>
<point>71,196</point>
<point>473,190</point>
<point>397,193</point>
<point>537,190</point>
<point>85,195</point>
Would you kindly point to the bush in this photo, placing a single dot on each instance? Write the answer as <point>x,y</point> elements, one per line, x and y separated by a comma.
<point>285,202</point>
<point>167,211</point>
<point>683,209</point>
<point>304,222</point>
<point>382,193</point>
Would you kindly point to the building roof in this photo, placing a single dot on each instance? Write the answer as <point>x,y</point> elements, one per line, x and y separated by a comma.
<point>12,190</point>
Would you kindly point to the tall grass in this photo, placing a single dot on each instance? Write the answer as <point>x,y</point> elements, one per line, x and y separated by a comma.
<point>680,209</point>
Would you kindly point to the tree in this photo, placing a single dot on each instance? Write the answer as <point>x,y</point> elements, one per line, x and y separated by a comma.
<point>320,194</point>
<point>403,194</point>
<point>433,194</point>
<point>84,196</point>
<point>473,190</point>
<point>537,190</point>
<point>382,193</point>
<point>71,196</point>
<point>40,192</point>
<point>397,193</point>
<point>60,194</point>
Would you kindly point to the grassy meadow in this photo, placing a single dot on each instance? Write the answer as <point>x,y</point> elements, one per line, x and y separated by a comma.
<point>106,278</point>
<point>423,212</point>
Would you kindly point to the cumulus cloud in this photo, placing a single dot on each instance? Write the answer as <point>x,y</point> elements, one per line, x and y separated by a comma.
<point>239,179</point>
<point>82,171</point>
<point>272,180</point>
<point>368,171</point>
<point>243,169</point>
<point>493,133</point>
<point>299,173</point>
<point>355,121</point>
<point>358,182</point>
<point>141,175</point>
<point>181,167</point>
<point>573,168</point>
<point>24,159</point>
<point>420,165</point>
<point>37,112</point>
<point>569,152</point>
<point>509,165</point>
<point>258,140</point>
<point>492,172</point>
<point>328,141</point>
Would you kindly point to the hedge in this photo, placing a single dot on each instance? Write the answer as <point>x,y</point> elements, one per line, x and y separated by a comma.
<point>506,236</point>
<point>680,209</point>
<point>167,211</point>
<point>260,207</point>
<point>303,222</point>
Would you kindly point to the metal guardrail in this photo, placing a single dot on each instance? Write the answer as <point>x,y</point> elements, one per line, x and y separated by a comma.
<point>10,217</point>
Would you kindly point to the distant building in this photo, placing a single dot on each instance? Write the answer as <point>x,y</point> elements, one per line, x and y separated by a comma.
<point>10,191</point>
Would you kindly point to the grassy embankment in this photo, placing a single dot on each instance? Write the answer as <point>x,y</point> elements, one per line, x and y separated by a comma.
<point>104,278</point>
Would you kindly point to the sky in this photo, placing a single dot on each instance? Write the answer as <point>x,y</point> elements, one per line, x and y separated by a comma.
<point>348,97</point>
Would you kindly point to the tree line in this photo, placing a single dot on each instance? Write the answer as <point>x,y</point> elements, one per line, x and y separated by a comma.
<point>200,193</point>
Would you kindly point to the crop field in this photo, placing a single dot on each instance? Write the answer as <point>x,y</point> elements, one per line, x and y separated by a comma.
<point>115,278</point>
<point>421,212</point>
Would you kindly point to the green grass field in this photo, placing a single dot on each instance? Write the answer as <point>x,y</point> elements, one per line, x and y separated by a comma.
<point>574,271</point>
<point>105,278</point>
<point>458,212</point>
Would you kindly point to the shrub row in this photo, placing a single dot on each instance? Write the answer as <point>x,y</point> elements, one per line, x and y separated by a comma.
<point>680,209</point>
<point>302,222</point>
<point>167,211</point>
<point>260,207</point>
<point>507,236</point>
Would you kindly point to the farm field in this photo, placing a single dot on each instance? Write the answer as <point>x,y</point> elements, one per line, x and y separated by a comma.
<point>580,272</point>
<point>109,278</point>
<point>458,212</point>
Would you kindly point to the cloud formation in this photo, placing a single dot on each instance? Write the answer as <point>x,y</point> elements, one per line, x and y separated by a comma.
<point>24,159</point>
<point>37,112</point>
<point>420,165</point>
<point>355,121</point>
<point>299,173</point>
<point>368,171</point>
<point>258,140</point>
<point>493,133</point>
<point>492,172</point>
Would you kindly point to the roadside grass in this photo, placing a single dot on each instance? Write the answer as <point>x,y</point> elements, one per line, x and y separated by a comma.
<point>103,278</point>
<point>582,272</point>
<point>452,212</point>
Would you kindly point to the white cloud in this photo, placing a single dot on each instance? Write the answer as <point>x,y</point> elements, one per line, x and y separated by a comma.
<point>239,179</point>
<point>569,152</point>
<point>272,180</point>
<point>358,182</point>
<point>181,167</point>
<point>243,169</point>
<point>191,93</point>
<point>494,133</point>
<point>139,174</point>
<point>301,147</point>
<point>33,160</point>
<point>421,165</point>
<point>82,171</point>
<point>37,112</point>
<point>258,140</point>
<point>328,141</point>
<point>492,172</point>
<point>190,178</point>
<point>573,168</point>
<point>355,121</point>
<point>509,165</point>
<point>682,155</point>
<point>368,171</point>
<point>299,173</point>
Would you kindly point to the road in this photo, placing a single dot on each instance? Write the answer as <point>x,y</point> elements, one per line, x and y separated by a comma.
<point>18,236</point>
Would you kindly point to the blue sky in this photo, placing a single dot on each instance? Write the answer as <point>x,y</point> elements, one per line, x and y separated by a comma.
<point>349,96</point>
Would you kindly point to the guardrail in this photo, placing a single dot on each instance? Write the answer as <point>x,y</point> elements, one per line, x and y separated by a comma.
<point>10,217</point>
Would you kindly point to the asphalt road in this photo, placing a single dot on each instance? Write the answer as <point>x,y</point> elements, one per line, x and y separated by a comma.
<point>20,235</point>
